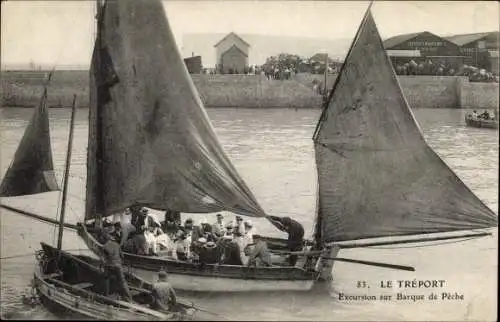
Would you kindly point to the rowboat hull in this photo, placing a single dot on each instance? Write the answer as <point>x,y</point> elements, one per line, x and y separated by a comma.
<point>62,296</point>
<point>487,124</point>
<point>196,277</point>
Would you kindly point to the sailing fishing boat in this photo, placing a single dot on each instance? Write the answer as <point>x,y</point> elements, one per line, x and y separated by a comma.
<point>172,158</point>
<point>64,282</point>
<point>377,176</point>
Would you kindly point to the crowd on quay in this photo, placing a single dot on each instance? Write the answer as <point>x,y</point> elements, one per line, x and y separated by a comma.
<point>428,67</point>
<point>232,243</point>
<point>274,72</point>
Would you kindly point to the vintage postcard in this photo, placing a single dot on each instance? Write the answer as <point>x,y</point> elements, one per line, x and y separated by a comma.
<point>249,160</point>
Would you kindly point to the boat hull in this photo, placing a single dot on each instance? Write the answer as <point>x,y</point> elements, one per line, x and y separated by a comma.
<point>196,277</point>
<point>487,124</point>
<point>199,283</point>
<point>62,296</point>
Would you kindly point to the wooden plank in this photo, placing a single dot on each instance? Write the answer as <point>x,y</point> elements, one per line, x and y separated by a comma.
<point>52,275</point>
<point>83,285</point>
<point>144,309</point>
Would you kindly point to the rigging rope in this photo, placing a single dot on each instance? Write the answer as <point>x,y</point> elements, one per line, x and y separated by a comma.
<point>35,253</point>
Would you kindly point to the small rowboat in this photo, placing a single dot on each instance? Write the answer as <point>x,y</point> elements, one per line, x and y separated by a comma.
<point>481,123</point>
<point>75,285</point>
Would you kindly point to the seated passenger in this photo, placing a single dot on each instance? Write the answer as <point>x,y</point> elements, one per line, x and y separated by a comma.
<point>208,253</point>
<point>196,247</point>
<point>247,239</point>
<point>172,222</point>
<point>218,228</point>
<point>228,251</point>
<point>182,246</point>
<point>137,244</point>
<point>258,253</point>
<point>165,244</point>
<point>151,241</point>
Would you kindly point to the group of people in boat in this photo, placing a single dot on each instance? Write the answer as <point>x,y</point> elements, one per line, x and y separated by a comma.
<point>483,116</point>
<point>231,243</point>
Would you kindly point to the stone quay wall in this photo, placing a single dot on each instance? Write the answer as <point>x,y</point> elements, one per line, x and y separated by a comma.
<point>23,88</point>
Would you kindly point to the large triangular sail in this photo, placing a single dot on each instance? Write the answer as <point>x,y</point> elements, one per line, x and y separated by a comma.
<point>377,176</point>
<point>150,139</point>
<point>32,169</point>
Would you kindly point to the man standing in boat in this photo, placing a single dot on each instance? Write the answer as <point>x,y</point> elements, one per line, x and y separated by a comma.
<point>295,235</point>
<point>113,266</point>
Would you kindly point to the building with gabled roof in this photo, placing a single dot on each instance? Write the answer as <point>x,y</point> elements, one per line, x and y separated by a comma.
<point>491,39</point>
<point>232,54</point>
<point>421,46</point>
<point>399,39</point>
<point>479,48</point>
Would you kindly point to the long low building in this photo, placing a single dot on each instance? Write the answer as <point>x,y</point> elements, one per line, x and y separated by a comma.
<point>476,49</point>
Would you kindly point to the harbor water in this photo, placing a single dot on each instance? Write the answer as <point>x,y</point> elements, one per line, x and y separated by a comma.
<point>273,151</point>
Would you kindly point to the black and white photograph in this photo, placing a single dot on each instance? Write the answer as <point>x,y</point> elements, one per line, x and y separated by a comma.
<point>240,160</point>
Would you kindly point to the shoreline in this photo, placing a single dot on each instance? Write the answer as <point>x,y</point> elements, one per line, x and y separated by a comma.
<point>23,89</point>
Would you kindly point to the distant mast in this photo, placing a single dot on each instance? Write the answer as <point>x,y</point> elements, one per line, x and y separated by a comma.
<point>325,94</point>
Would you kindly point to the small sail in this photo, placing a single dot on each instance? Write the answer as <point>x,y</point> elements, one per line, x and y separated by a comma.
<point>32,170</point>
<point>377,176</point>
<point>150,139</point>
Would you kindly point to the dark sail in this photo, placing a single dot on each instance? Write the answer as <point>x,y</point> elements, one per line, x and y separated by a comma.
<point>150,139</point>
<point>32,170</point>
<point>377,176</point>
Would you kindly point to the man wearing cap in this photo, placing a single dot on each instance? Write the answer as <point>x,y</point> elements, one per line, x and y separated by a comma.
<point>295,235</point>
<point>218,228</point>
<point>164,297</point>
<point>238,228</point>
<point>239,232</point>
<point>113,266</point>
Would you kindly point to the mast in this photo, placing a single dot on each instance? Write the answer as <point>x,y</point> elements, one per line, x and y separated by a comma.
<point>66,174</point>
<point>100,201</point>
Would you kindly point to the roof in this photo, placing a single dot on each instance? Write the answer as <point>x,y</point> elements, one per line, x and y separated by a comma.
<point>229,34</point>
<point>403,53</point>
<point>396,40</point>
<point>237,48</point>
<point>465,39</point>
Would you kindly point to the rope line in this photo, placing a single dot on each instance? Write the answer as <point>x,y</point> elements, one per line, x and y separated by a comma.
<point>34,254</point>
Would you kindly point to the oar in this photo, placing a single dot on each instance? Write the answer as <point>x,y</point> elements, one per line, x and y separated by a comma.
<point>386,265</point>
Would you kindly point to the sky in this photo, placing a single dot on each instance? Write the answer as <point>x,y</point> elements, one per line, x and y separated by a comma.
<point>61,33</point>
